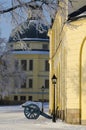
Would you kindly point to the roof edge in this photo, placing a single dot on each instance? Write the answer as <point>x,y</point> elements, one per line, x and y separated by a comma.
<point>76,13</point>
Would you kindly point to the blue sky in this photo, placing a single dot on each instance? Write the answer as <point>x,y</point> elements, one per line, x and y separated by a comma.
<point>5,20</point>
<point>5,25</point>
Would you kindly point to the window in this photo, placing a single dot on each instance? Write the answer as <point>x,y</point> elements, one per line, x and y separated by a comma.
<point>22,98</point>
<point>30,65</point>
<point>28,45</point>
<point>46,65</point>
<point>16,64</point>
<point>23,85</point>
<point>46,83</point>
<point>45,46</point>
<point>4,64</point>
<point>11,45</point>
<point>24,64</point>
<point>16,82</point>
<point>30,98</point>
<point>30,83</point>
<point>15,98</point>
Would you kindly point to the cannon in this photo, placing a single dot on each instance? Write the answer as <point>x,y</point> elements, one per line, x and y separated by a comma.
<point>32,111</point>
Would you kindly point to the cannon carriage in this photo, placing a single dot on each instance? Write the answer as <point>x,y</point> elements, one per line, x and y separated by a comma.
<point>33,111</point>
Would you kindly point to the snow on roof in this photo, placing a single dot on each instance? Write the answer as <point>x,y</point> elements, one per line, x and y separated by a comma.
<point>34,39</point>
<point>30,52</point>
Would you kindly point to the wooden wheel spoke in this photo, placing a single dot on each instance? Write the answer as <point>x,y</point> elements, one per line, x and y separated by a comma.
<point>32,111</point>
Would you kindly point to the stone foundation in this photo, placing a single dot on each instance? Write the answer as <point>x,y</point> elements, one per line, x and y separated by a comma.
<point>83,122</point>
<point>72,116</point>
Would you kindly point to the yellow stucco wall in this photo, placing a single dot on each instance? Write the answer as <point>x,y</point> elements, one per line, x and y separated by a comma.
<point>76,33</point>
<point>38,74</point>
<point>67,61</point>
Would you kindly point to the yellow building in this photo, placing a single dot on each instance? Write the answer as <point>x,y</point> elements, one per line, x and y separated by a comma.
<point>32,53</point>
<point>68,63</point>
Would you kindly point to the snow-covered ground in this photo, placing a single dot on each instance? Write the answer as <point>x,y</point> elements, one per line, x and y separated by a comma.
<point>13,118</point>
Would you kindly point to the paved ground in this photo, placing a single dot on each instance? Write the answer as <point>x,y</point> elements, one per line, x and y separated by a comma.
<point>12,118</point>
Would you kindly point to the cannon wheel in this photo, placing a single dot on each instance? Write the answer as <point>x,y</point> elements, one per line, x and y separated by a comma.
<point>32,111</point>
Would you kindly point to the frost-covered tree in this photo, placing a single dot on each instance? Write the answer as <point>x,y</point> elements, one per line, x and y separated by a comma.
<point>42,9</point>
<point>19,11</point>
<point>9,70</point>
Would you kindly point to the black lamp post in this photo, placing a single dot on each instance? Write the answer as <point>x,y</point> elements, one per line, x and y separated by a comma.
<point>42,88</point>
<point>54,80</point>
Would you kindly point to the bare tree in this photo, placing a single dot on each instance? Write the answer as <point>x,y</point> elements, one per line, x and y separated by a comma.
<point>19,9</point>
<point>9,70</point>
<point>42,10</point>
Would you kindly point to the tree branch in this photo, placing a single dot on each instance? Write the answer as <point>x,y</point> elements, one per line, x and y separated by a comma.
<point>27,4</point>
<point>10,9</point>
